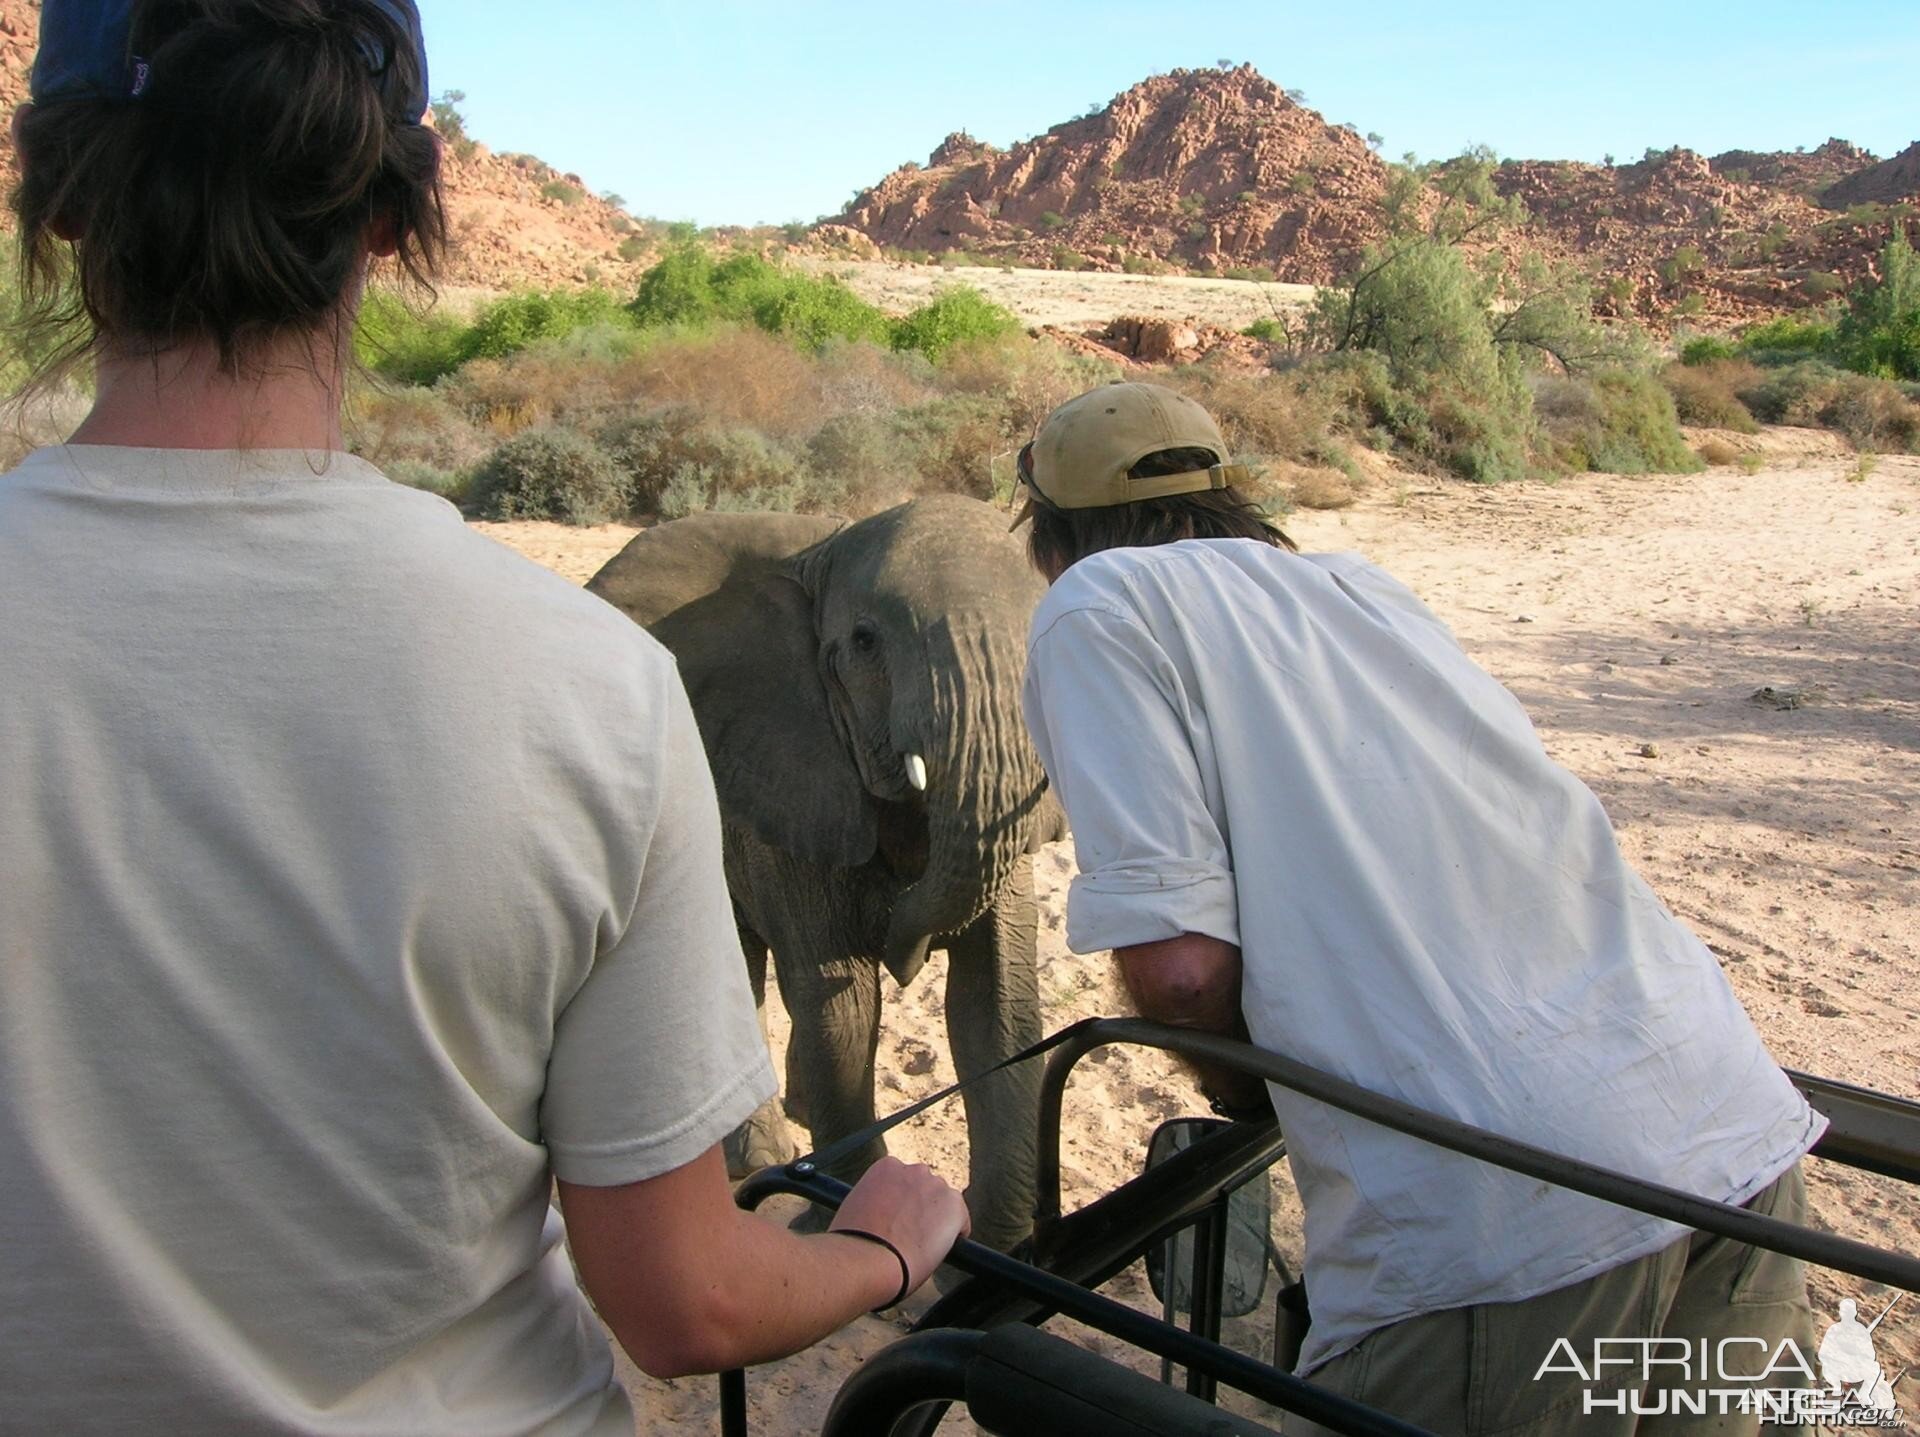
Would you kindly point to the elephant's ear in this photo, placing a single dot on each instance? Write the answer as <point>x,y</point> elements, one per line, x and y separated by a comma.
<point>718,590</point>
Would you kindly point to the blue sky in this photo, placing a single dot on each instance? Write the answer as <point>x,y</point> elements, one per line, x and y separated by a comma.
<point>735,111</point>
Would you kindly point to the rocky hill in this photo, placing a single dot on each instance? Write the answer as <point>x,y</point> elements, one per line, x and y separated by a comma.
<point>1197,168</point>
<point>1221,170</point>
<point>515,220</point>
<point>1678,235</point>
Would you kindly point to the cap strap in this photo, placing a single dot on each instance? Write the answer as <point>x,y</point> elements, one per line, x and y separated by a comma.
<point>1161,486</point>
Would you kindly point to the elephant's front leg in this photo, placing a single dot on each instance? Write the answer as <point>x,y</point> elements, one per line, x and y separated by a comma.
<point>993,1011</point>
<point>835,1006</point>
<point>763,1139</point>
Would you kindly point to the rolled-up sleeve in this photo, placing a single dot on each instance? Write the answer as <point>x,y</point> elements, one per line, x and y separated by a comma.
<point>1111,722</point>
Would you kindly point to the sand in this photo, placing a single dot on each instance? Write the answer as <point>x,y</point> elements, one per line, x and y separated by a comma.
<point>1635,618</point>
<point>1071,299</point>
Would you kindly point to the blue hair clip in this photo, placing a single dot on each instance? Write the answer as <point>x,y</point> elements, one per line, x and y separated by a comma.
<point>86,52</point>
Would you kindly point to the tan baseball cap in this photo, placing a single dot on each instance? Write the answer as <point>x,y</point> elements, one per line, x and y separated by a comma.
<point>1080,457</point>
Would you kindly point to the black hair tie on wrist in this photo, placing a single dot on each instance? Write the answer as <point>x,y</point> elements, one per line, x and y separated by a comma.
<point>906,1273</point>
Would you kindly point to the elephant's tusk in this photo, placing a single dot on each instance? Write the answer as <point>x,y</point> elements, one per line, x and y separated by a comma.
<point>917,772</point>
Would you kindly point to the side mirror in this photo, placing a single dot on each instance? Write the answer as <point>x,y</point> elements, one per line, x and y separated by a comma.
<point>1176,1267</point>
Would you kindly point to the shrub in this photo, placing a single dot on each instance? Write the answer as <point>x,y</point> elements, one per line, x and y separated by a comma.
<point>511,324</point>
<point>393,426</point>
<point>549,473</point>
<point>1708,393</point>
<point>957,314</point>
<point>1708,349</point>
<point>1787,338</point>
<point>1718,453</point>
<point>1616,422</point>
<point>1871,413</point>
<point>1687,261</point>
<point>677,289</point>
<point>687,287</point>
<point>1064,258</point>
<point>676,463</point>
<point>1257,273</point>
<point>1145,264</point>
<point>1051,220</point>
<point>1268,329</point>
<point>1821,284</point>
<point>560,192</point>
<point>394,339</point>
<point>1880,334</point>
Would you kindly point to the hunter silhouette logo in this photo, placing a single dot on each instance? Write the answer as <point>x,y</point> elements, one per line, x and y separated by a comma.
<point>1671,1376</point>
<point>1847,1362</point>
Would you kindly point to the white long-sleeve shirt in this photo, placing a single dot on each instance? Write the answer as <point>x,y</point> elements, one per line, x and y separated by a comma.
<point>1291,753</point>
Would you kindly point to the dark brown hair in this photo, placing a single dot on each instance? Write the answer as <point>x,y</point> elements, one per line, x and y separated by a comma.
<point>232,201</point>
<point>1062,537</point>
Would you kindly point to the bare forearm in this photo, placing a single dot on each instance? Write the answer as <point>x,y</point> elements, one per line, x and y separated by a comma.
<point>689,1283</point>
<point>770,1292</point>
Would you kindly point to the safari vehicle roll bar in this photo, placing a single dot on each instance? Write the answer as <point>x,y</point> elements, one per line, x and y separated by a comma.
<point>1072,1253</point>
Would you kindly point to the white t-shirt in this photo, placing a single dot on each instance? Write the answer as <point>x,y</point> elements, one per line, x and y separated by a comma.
<point>356,876</point>
<point>1292,754</point>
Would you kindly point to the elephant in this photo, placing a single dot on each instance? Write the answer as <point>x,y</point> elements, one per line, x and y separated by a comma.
<point>857,690</point>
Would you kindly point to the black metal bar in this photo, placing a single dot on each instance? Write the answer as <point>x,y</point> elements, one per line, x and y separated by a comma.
<point>1209,1275</point>
<point>921,1368</point>
<point>1826,1249</point>
<point>1869,1130</point>
<point>733,1403</point>
<point>1090,1245</point>
<point>1236,1369</point>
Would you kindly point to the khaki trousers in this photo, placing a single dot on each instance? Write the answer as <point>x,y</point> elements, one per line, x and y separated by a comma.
<point>1469,1372</point>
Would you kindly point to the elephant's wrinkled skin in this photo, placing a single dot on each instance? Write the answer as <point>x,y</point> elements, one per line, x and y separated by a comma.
<point>857,688</point>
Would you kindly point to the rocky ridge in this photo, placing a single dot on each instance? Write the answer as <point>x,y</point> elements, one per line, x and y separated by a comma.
<point>1221,170</point>
<point>1200,168</point>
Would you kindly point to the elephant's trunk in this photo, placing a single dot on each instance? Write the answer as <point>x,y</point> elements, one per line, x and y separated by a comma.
<point>983,787</point>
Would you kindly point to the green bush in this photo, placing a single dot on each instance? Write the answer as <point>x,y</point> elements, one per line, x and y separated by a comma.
<point>957,314</point>
<point>1257,273</point>
<point>549,473</point>
<point>1871,413</point>
<point>1615,422</point>
<point>1708,349</point>
<point>1268,329</point>
<point>509,325</point>
<point>687,287</point>
<point>1880,334</point>
<point>1787,338</point>
<point>392,338</point>
<point>1708,393</point>
<point>1072,259</point>
<point>561,192</point>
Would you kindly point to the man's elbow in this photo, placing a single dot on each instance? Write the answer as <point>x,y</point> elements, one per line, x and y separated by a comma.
<point>1180,976</point>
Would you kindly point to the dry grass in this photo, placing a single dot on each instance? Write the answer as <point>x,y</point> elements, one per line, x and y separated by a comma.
<point>1717,452</point>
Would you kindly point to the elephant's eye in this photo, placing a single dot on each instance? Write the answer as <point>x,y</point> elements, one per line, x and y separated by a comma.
<point>866,638</point>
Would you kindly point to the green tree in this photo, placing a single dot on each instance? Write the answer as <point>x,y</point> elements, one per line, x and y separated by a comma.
<point>1880,333</point>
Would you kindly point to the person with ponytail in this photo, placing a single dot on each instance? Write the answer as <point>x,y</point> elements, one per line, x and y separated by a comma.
<point>359,881</point>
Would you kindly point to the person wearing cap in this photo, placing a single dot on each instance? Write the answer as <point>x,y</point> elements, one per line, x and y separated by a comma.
<point>1303,814</point>
<point>359,880</point>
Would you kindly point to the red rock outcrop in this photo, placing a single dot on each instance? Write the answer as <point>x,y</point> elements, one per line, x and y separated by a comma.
<point>1889,182</point>
<point>1207,169</point>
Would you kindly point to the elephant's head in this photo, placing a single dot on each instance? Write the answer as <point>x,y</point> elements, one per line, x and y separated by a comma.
<point>858,691</point>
